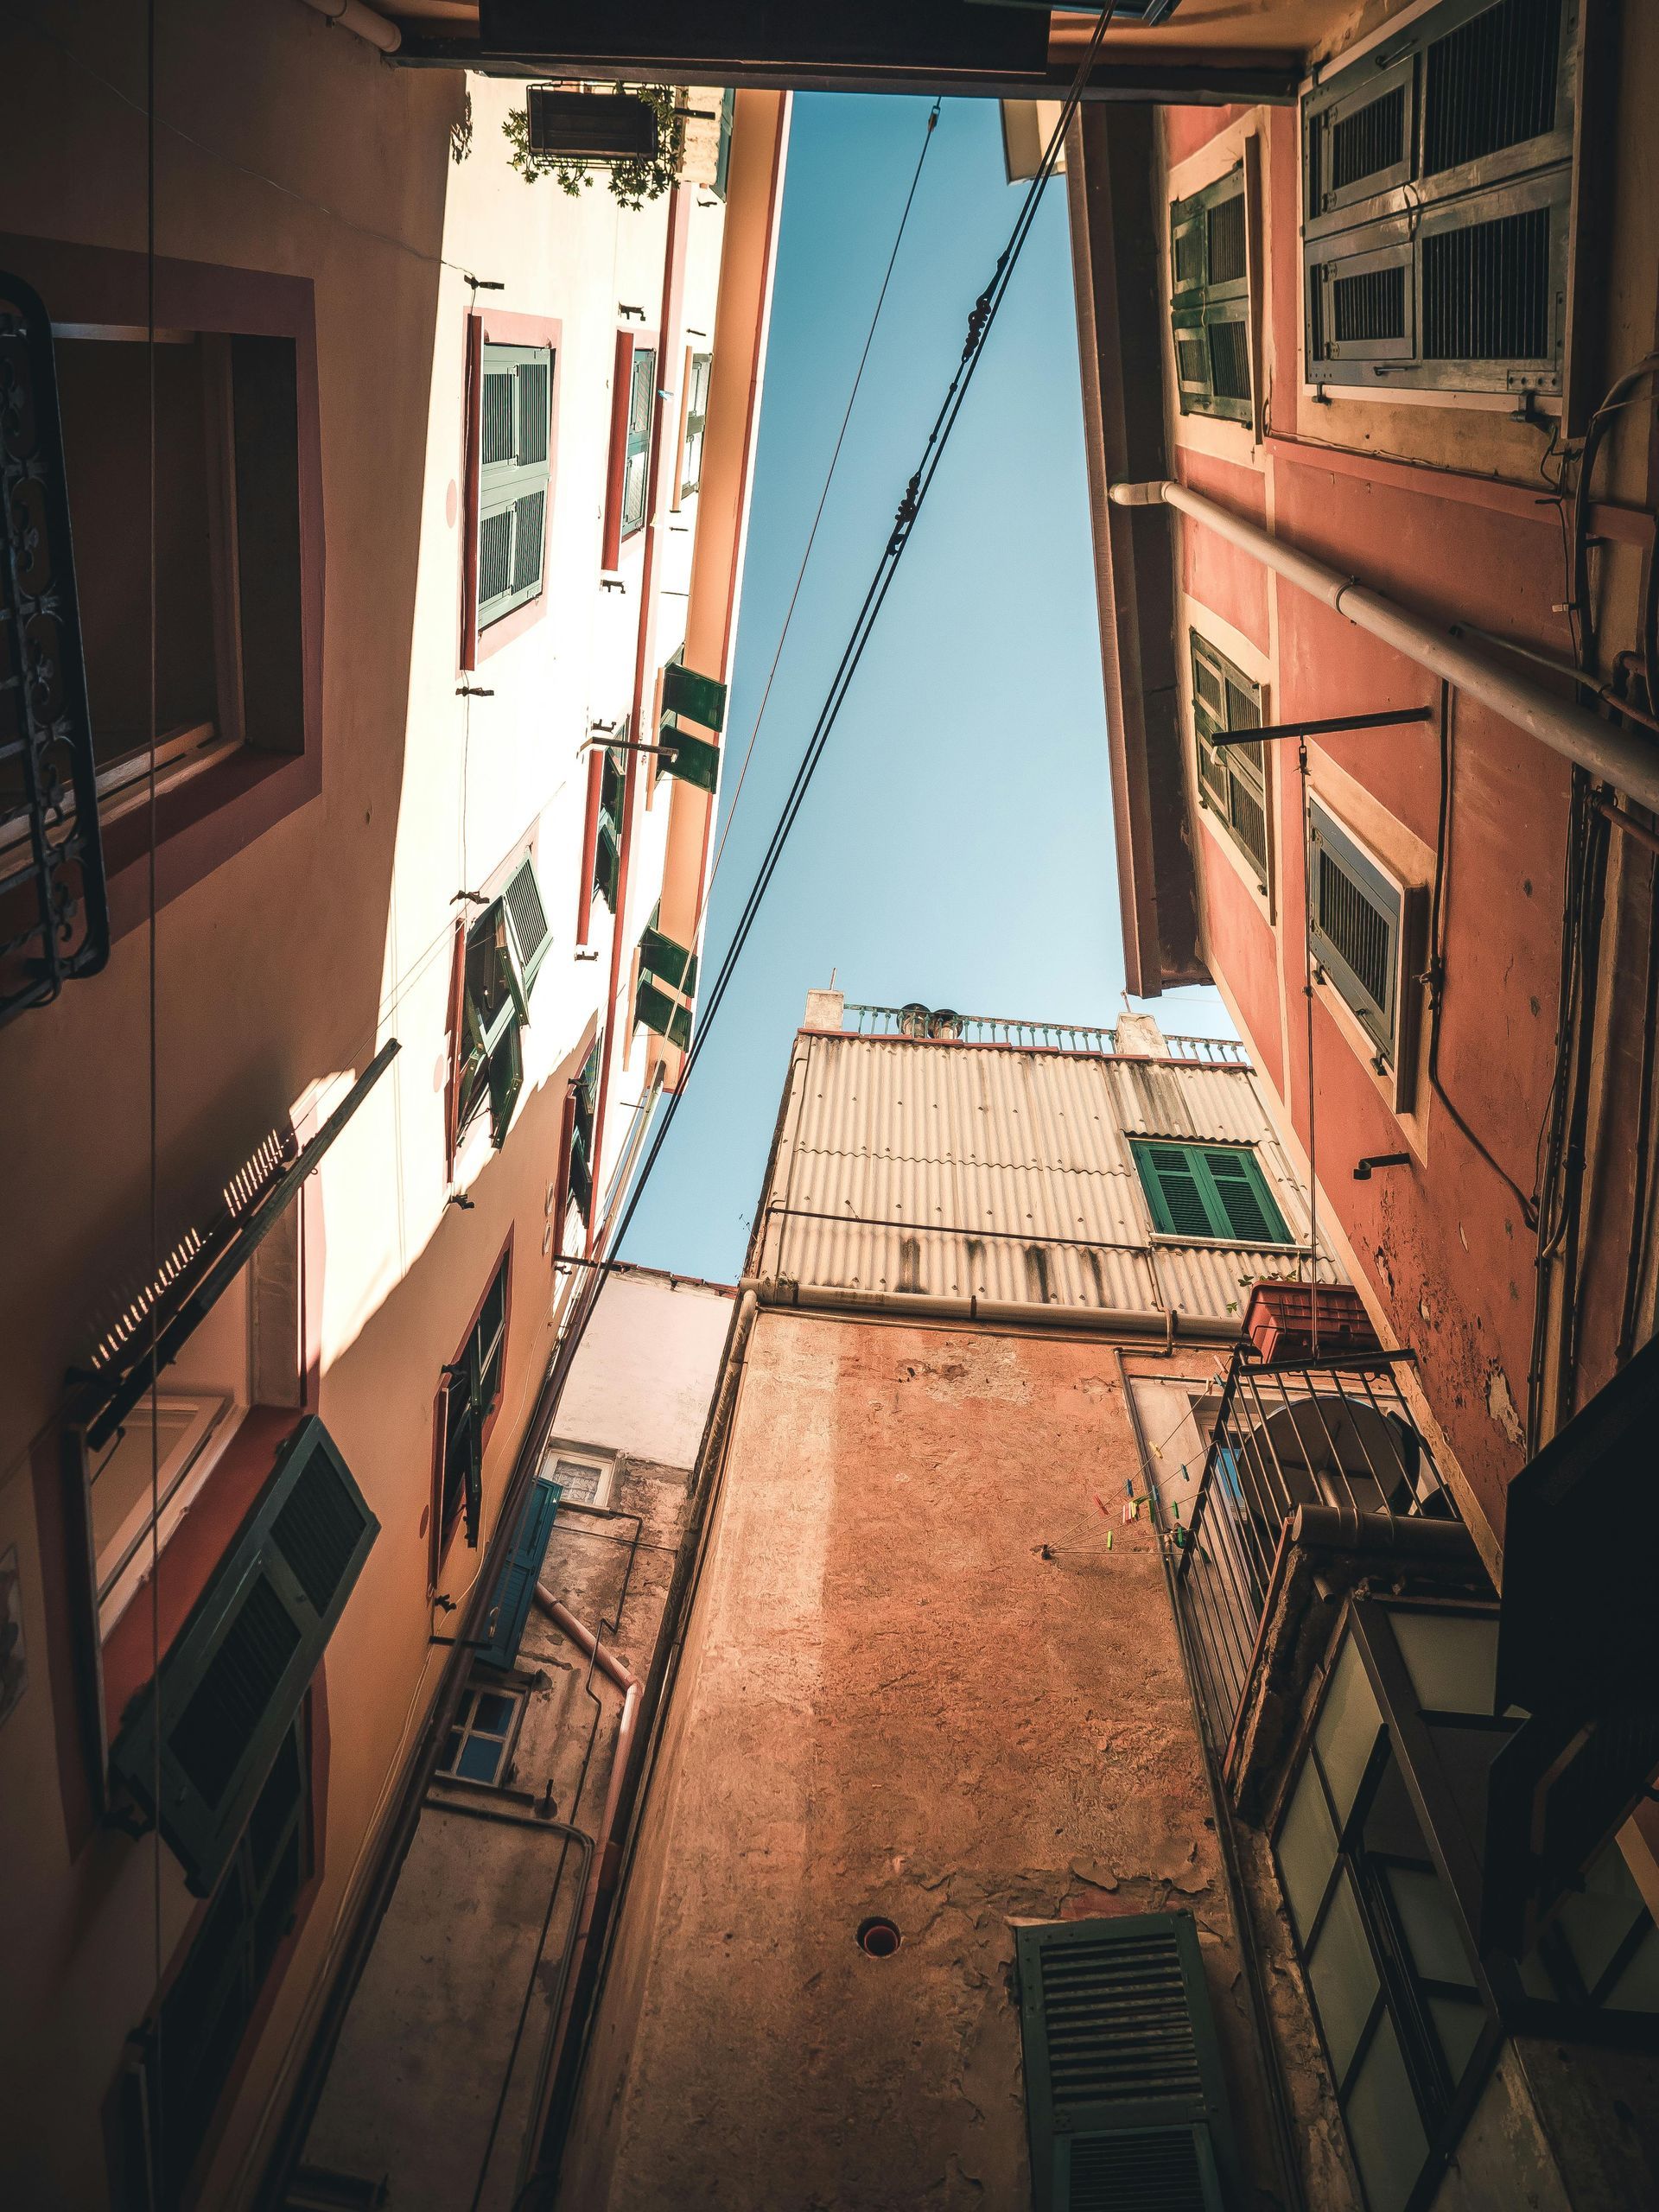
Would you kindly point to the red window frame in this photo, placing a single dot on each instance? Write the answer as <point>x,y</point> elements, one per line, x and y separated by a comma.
<point>206,821</point>
<point>496,327</point>
<point>440,1538</point>
<point>628,342</point>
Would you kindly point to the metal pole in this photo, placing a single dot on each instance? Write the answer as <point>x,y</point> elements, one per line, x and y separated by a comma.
<point>1326,726</point>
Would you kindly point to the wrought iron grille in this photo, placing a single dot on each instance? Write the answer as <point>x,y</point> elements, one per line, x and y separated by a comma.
<point>1310,1434</point>
<point>53,913</point>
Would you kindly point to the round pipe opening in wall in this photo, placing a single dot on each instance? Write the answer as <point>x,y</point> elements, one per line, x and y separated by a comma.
<point>878,1937</point>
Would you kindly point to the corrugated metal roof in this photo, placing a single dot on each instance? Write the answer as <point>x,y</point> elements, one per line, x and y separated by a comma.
<point>958,1170</point>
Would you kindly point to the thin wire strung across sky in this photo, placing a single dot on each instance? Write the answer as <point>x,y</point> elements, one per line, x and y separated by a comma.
<point>980,323</point>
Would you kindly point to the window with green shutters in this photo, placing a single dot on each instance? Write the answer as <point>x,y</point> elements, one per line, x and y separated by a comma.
<point>512,479</point>
<point>607,842</point>
<point>1438,187</point>
<point>1209,1190</point>
<point>691,702</point>
<point>230,1688</point>
<point>471,1392</point>
<point>636,465</point>
<point>1355,914</point>
<point>696,414</point>
<point>667,985</point>
<point>1210,300</point>
<point>180,2061</point>
<point>723,155</point>
<point>1232,779</point>
<point>1126,2104</point>
<point>505,948</point>
<point>582,1163</point>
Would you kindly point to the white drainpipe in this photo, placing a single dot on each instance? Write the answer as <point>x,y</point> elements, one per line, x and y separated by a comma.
<point>1612,755</point>
<point>353,15</point>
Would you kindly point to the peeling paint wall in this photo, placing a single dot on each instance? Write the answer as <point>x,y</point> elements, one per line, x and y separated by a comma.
<point>918,1683</point>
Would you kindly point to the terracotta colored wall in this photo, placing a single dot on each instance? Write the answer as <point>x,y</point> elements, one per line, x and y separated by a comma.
<point>894,1702</point>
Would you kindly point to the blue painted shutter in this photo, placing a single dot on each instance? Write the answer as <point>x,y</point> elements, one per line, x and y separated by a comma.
<point>231,1684</point>
<point>510,1609</point>
<point>1125,2102</point>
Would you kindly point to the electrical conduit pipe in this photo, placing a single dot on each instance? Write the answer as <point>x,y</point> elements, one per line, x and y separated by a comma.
<point>602,1858</point>
<point>1611,756</point>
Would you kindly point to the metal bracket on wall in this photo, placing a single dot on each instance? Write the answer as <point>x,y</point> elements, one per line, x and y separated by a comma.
<point>1327,725</point>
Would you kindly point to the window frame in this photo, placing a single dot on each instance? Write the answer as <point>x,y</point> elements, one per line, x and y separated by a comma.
<point>1386,1028</point>
<point>1406,1740</point>
<point>486,1046</point>
<point>472,1387</point>
<point>586,1458</point>
<point>1234,769</point>
<point>495,327</point>
<point>1201,306</point>
<point>462,1727</point>
<point>205,817</point>
<point>696,420</point>
<point>1386,217</point>
<point>506,483</point>
<point>1210,1194</point>
<point>631,343</point>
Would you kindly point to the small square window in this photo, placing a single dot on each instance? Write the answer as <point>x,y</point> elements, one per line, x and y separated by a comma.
<point>584,1477</point>
<point>480,1746</point>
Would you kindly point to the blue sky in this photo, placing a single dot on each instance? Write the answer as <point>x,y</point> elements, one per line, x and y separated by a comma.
<point>956,846</point>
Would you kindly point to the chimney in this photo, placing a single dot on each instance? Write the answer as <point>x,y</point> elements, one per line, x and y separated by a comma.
<point>824,1009</point>
<point>1138,1033</point>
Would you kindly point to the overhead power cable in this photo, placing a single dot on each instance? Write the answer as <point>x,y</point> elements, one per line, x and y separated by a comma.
<point>981,321</point>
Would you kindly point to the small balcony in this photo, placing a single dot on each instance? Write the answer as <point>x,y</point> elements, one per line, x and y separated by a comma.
<point>1316,1474</point>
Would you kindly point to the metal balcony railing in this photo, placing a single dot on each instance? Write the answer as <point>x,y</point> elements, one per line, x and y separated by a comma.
<point>944,1024</point>
<point>1310,1434</point>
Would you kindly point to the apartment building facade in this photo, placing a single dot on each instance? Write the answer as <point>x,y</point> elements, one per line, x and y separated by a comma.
<point>351,859</point>
<point>1081,1666</point>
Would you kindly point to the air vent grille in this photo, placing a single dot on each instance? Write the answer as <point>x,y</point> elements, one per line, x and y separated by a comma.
<point>1226,240</point>
<point>1490,83</point>
<point>1118,2025</point>
<point>1354,927</point>
<point>1486,291</point>
<point>1370,140</point>
<point>1370,307</point>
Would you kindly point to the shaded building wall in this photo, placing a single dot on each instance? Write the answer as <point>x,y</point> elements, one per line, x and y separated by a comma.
<point>917,1683</point>
<point>287,949</point>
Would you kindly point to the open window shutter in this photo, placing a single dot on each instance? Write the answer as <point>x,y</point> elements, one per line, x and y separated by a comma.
<point>607,863</point>
<point>511,1607</point>
<point>652,1005</point>
<point>1243,1195</point>
<point>694,761</point>
<point>1178,1199</point>
<point>636,467</point>
<point>696,416</point>
<point>527,919</point>
<point>231,1684</point>
<point>700,698</point>
<point>1355,915</point>
<point>506,1081</point>
<point>669,962</point>
<point>723,154</point>
<point>515,425</point>
<point>1125,2102</point>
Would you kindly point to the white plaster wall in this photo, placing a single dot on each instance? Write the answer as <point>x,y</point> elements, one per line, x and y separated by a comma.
<point>644,1377</point>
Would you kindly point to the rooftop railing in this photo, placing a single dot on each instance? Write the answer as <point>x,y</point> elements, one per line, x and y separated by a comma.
<point>943,1023</point>
<point>1285,1436</point>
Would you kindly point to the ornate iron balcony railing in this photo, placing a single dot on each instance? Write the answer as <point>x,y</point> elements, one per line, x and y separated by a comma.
<point>54,914</point>
<point>944,1024</point>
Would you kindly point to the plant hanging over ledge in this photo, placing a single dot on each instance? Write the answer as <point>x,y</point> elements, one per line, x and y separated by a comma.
<point>633,182</point>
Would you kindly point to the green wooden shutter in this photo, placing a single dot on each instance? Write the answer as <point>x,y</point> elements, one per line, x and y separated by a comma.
<point>1232,779</point>
<point>653,1005</point>
<point>694,761</point>
<point>1171,1182</point>
<point>1243,1198</point>
<point>723,154</point>
<point>232,1683</point>
<point>515,418</point>
<point>669,962</point>
<point>608,864</point>
<point>1354,919</point>
<point>700,698</point>
<point>510,1608</point>
<point>1126,2105</point>
<point>696,416</point>
<point>527,921</point>
<point>1209,302</point>
<point>636,467</point>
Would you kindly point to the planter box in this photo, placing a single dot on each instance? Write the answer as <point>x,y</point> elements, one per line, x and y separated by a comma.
<point>1279,1321</point>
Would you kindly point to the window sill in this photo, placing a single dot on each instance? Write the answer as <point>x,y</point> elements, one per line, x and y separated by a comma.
<point>1291,1251</point>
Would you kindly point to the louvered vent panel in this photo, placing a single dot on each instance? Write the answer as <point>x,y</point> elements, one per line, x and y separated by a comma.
<point>529,916</point>
<point>1226,232</point>
<point>318,1530</point>
<point>1214,776</point>
<point>1190,355</point>
<point>1230,361</point>
<point>1369,308</point>
<point>1490,83</point>
<point>527,539</point>
<point>1155,2172</point>
<point>494,556</point>
<point>1486,291</point>
<point>1189,258</point>
<point>1251,824</point>
<point>1244,713</point>
<point>532,411</point>
<point>1370,140</point>
<point>228,1704</point>
<point>1354,927</point>
<point>1246,1217</point>
<point>1117,2014</point>
<point>497,417</point>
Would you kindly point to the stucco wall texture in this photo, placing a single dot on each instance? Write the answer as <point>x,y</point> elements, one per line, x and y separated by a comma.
<point>919,1684</point>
